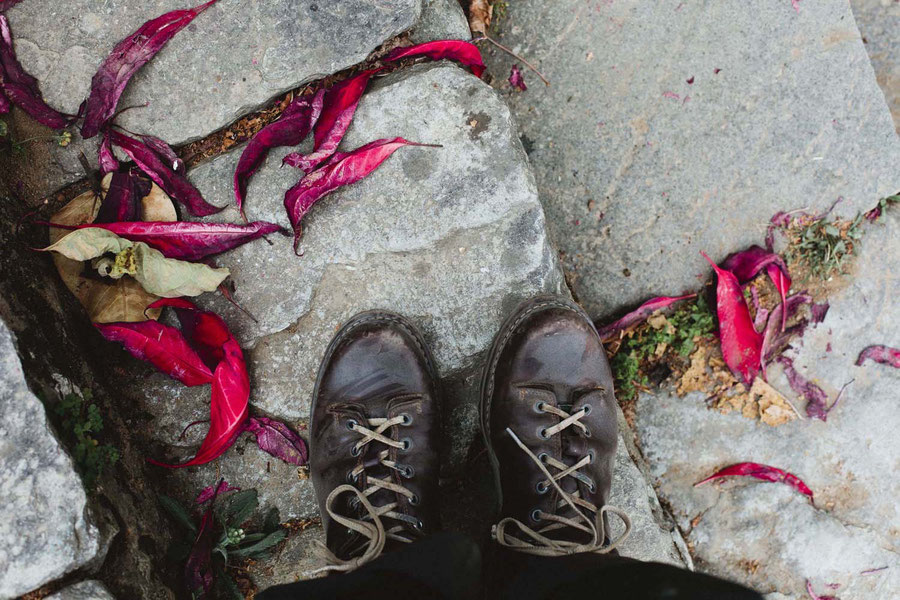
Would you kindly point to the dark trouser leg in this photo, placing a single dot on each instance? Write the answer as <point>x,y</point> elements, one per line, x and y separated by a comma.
<point>445,566</point>
<point>518,576</point>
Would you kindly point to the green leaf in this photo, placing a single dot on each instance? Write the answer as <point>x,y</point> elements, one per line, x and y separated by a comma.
<point>272,521</point>
<point>270,540</point>
<point>177,512</point>
<point>225,585</point>
<point>832,231</point>
<point>85,244</point>
<point>240,506</point>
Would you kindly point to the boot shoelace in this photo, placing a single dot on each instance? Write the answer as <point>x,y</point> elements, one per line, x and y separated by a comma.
<point>371,526</point>
<point>536,541</point>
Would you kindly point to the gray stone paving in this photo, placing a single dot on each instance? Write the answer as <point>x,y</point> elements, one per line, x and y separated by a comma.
<point>85,590</point>
<point>645,155</point>
<point>879,22</point>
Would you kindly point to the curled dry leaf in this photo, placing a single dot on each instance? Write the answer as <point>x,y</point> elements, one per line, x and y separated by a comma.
<point>277,439</point>
<point>480,13</point>
<point>747,264</point>
<point>880,354</point>
<point>740,342</point>
<point>466,53</point>
<point>343,168</point>
<point>122,197</point>
<point>338,107</point>
<point>128,56</point>
<point>105,157</point>
<point>762,472</point>
<point>639,315</point>
<point>816,398</point>
<point>516,80</point>
<point>105,300</point>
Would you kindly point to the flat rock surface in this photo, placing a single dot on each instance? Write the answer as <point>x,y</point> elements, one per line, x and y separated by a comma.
<point>47,530</point>
<point>671,128</point>
<point>85,590</point>
<point>768,535</point>
<point>879,22</point>
<point>233,57</point>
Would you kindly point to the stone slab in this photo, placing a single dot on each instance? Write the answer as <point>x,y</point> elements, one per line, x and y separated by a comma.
<point>440,20</point>
<point>228,61</point>
<point>879,22</point>
<point>850,461</point>
<point>645,154</point>
<point>47,529</point>
<point>84,590</point>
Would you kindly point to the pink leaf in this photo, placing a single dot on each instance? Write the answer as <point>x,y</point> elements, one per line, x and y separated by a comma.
<point>762,472</point>
<point>123,198</point>
<point>774,337</point>
<point>741,344</point>
<point>277,439</point>
<point>343,168</point>
<point>813,595</point>
<point>125,60</point>
<point>880,354</point>
<point>293,126</point>
<point>164,152</point>
<point>816,398</point>
<point>172,183</point>
<point>198,568</point>
<point>465,52</point>
<point>747,264</point>
<point>162,346</point>
<point>22,89</point>
<point>516,80</point>
<point>106,158</point>
<point>782,283</point>
<point>213,491</point>
<point>338,109</point>
<point>639,315</point>
<point>186,240</point>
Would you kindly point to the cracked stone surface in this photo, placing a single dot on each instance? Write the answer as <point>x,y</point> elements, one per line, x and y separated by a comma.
<point>644,154</point>
<point>879,22</point>
<point>85,590</point>
<point>47,529</point>
<point>767,535</point>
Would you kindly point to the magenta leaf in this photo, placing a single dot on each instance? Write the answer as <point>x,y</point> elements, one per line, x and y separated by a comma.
<point>516,80</point>
<point>747,264</point>
<point>816,398</point>
<point>880,354</point>
<point>164,152</point>
<point>125,60</point>
<point>123,198</point>
<point>5,104</point>
<point>740,342</point>
<point>293,126</point>
<point>639,315</point>
<point>466,53</point>
<point>106,158</point>
<point>343,168</point>
<point>818,311</point>
<point>775,338</point>
<point>171,182</point>
<point>338,108</point>
<point>277,439</point>
<point>186,240</point>
<point>198,568</point>
<point>162,346</point>
<point>22,89</point>
<point>762,472</point>
<point>213,491</point>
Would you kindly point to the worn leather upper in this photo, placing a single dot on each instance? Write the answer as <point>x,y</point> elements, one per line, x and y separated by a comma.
<point>377,367</point>
<point>549,353</point>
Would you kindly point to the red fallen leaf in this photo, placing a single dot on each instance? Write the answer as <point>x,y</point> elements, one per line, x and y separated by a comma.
<point>782,283</point>
<point>293,126</point>
<point>465,52</point>
<point>106,158</point>
<point>762,472</point>
<point>162,346</point>
<point>5,104</point>
<point>639,315</point>
<point>228,407</point>
<point>880,354</point>
<point>123,198</point>
<point>125,60</point>
<point>516,80</point>
<point>213,491</point>
<point>164,152</point>
<point>774,337</point>
<point>747,264</point>
<point>338,108</point>
<point>343,168</point>
<point>740,342</point>
<point>819,310</point>
<point>174,184</point>
<point>816,398</point>
<point>185,240</point>
<point>22,89</point>
<point>277,439</point>
<point>198,568</point>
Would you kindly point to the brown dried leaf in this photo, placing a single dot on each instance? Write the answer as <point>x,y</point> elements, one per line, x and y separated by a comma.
<point>480,13</point>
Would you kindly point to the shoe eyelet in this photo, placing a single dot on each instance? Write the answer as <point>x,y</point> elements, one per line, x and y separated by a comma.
<point>541,487</point>
<point>539,406</point>
<point>407,444</point>
<point>354,502</point>
<point>414,501</point>
<point>350,478</point>
<point>591,456</point>
<point>542,433</point>
<point>354,451</point>
<point>351,424</point>
<point>592,487</point>
<point>419,524</point>
<point>543,456</point>
<point>536,515</point>
<point>587,409</point>
<point>587,433</point>
<point>407,420</point>
<point>407,472</point>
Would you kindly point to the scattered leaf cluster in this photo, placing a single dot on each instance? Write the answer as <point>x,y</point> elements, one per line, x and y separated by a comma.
<point>81,422</point>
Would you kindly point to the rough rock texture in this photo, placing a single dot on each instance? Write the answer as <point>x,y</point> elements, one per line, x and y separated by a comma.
<point>47,529</point>
<point>85,590</point>
<point>440,20</point>
<point>645,154</point>
<point>230,59</point>
<point>766,534</point>
<point>879,22</point>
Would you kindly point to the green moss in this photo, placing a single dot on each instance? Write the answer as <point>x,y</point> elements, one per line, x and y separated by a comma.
<point>81,423</point>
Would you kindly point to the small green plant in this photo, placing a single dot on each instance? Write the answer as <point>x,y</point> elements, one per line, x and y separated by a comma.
<point>692,320</point>
<point>824,247</point>
<point>223,533</point>
<point>81,423</point>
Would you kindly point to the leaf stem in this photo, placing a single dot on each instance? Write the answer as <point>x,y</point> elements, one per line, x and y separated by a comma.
<point>514,55</point>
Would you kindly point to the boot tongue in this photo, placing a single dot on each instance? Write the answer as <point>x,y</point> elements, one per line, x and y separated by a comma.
<point>572,450</point>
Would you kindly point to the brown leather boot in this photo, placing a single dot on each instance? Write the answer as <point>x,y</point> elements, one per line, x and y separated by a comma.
<point>374,439</point>
<point>549,422</point>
